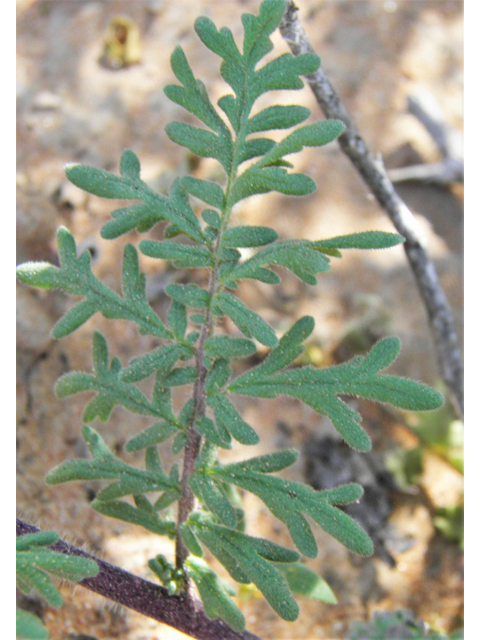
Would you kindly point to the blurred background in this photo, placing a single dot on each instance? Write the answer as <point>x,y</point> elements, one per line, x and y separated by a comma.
<point>90,83</point>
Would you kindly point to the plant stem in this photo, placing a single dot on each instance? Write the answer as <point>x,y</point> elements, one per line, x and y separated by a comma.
<point>187,499</point>
<point>147,598</point>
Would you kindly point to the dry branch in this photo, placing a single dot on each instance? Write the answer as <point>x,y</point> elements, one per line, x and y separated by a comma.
<point>448,141</point>
<point>373,172</point>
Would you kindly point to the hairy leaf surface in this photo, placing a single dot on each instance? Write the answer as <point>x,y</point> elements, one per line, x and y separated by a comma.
<point>319,388</point>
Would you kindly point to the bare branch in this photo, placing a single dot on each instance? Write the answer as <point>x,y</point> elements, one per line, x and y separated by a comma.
<point>448,141</point>
<point>147,598</point>
<point>373,172</point>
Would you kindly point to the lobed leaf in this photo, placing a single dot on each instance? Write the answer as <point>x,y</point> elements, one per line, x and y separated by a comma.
<point>249,322</point>
<point>154,207</point>
<point>191,295</point>
<point>209,192</point>
<point>29,626</point>
<point>149,520</point>
<point>282,73</point>
<point>277,117</point>
<point>224,346</point>
<point>248,236</point>
<point>228,418</point>
<point>159,360</point>
<point>74,276</point>
<point>305,582</point>
<point>256,180</point>
<point>215,594</point>
<point>212,495</point>
<point>193,96</point>
<point>35,561</point>
<point>363,240</point>
<point>156,434</point>
<point>312,135</point>
<point>289,500</point>
<point>183,256</point>
<point>177,319</point>
<point>201,142</point>
<point>298,256</point>
<point>288,349</point>
<point>103,183</point>
<point>106,381</point>
<point>248,553</point>
<point>318,388</point>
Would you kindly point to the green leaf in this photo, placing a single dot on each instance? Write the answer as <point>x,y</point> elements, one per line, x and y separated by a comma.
<point>190,540</point>
<point>226,347</point>
<point>179,442</point>
<point>208,192</point>
<point>249,553</point>
<point>288,349</point>
<point>218,376</point>
<point>278,117</point>
<point>212,495</point>
<point>220,42</point>
<point>103,183</point>
<point>256,180</point>
<point>29,626</point>
<point>128,513</point>
<point>305,582</point>
<point>228,418</point>
<point>270,463</point>
<point>183,256</point>
<point>74,276</point>
<point>248,236</point>
<point>318,388</point>
<point>201,142</point>
<point>299,256</point>
<point>364,240</point>
<point>177,319</point>
<point>181,376</point>
<point>155,434</point>
<point>312,135</point>
<point>130,165</point>
<point>105,465</point>
<point>231,107</point>
<point>257,29</point>
<point>283,73</point>
<point>215,594</point>
<point>153,208</point>
<point>40,539</point>
<point>35,561</point>
<point>190,295</point>
<point>289,500</point>
<point>253,148</point>
<point>219,437</point>
<point>212,218</point>
<point>133,485</point>
<point>249,322</point>
<point>162,359</point>
<point>107,383</point>
<point>193,96</point>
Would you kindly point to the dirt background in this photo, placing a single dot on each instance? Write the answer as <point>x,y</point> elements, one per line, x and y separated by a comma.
<point>73,108</point>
